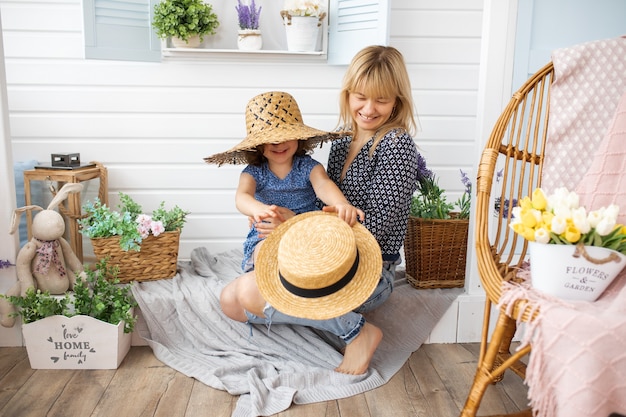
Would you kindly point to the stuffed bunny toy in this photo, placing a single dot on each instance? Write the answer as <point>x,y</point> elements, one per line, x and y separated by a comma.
<point>47,261</point>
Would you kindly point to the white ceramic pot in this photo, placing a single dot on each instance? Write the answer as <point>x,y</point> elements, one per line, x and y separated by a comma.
<point>568,273</point>
<point>302,33</point>
<point>192,42</point>
<point>249,40</point>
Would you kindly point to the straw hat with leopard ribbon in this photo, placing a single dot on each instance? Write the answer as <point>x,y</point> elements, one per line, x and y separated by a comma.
<point>316,266</point>
<point>272,117</point>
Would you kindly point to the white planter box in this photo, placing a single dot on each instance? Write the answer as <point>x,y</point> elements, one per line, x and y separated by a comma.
<point>79,342</point>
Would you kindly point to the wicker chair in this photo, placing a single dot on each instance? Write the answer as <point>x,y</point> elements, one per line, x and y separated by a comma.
<point>510,168</point>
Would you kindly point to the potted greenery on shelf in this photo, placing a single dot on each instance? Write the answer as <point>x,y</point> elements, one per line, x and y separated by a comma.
<point>435,246</point>
<point>87,329</point>
<point>249,35</point>
<point>185,22</point>
<point>143,247</point>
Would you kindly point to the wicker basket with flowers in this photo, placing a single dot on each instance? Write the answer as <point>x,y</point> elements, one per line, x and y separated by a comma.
<point>144,247</point>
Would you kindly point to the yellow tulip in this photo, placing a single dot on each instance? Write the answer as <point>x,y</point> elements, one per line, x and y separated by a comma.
<point>528,218</point>
<point>526,232</point>
<point>539,201</point>
<point>525,203</point>
<point>572,234</point>
<point>547,219</point>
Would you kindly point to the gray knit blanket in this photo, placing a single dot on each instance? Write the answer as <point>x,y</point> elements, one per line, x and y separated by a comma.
<point>271,368</point>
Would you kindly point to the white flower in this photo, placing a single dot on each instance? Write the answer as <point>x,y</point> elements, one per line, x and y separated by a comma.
<point>572,200</point>
<point>562,210</point>
<point>579,217</point>
<point>516,214</point>
<point>604,219</point>
<point>313,8</point>
<point>559,224</point>
<point>542,235</point>
<point>563,200</point>
<point>594,218</point>
<point>612,211</point>
<point>605,226</point>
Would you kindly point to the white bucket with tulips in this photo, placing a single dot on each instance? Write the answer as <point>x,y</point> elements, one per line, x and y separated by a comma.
<point>574,254</point>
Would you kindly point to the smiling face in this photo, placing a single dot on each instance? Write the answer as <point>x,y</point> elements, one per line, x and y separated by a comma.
<point>279,153</point>
<point>369,112</point>
<point>376,93</point>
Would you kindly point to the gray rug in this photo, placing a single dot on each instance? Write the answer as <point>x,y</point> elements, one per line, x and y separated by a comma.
<point>272,368</point>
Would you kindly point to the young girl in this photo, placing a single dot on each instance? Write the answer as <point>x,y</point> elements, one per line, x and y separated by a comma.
<point>280,173</point>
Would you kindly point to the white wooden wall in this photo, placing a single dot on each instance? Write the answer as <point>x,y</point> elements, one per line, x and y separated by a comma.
<point>152,123</point>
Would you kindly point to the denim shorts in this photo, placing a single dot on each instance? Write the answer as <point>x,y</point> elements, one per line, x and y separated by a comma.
<point>347,326</point>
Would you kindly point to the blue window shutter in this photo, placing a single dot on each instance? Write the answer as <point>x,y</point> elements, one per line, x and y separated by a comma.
<point>355,24</point>
<point>120,30</point>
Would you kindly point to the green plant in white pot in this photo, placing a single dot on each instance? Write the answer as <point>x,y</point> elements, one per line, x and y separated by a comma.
<point>86,329</point>
<point>186,22</point>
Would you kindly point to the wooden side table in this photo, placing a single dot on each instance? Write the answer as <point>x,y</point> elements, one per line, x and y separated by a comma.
<point>71,208</point>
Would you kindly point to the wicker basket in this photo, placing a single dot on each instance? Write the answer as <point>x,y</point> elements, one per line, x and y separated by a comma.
<point>435,252</point>
<point>157,258</point>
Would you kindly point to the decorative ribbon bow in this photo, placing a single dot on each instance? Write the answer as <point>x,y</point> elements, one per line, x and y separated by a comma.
<point>48,256</point>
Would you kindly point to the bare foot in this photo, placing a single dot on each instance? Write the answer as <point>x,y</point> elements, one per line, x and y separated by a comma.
<point>359,352</point>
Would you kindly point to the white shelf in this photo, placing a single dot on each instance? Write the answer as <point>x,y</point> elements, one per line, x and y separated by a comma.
<point>204,53</point>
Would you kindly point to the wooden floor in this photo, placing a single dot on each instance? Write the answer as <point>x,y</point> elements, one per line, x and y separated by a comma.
<point>434,382</point>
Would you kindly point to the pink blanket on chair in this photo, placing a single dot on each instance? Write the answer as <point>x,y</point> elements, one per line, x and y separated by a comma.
<point>577,367</point>
<point>589,80</point>
<point>578,362</point>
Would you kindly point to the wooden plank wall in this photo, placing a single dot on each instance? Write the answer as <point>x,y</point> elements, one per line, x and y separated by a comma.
<point>152,123</point>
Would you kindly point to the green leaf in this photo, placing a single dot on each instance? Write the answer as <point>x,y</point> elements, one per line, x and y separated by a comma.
<point>101,222</point>
<point>429,201</point>
<point>184,18</point>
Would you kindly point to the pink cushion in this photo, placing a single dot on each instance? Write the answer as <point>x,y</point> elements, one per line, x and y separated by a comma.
<point>605,181</point>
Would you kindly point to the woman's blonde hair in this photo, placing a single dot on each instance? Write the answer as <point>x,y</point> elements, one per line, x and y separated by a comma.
<point>379,71</point>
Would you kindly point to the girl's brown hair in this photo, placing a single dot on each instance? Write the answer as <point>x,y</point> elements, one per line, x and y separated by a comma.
<point>256,157</point>
<point>379,71</point>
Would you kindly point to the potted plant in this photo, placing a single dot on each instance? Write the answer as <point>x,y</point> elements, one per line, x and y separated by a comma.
<point>302,20</point>
<point>89,328</point>
<point>435,246</point>
<point>575,254</point>
<point>249,36</point>
<point>310,8</point>
<point>184,21</point>
<point>144,247</point>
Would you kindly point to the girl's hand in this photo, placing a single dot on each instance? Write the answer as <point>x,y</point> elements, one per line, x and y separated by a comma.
<point>346,212</point>
<point>267,224</point>
<point>266,212</point>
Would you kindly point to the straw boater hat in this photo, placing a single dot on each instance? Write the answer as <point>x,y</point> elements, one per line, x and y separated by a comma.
<point>316,266</point>
<point>272,117</point>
